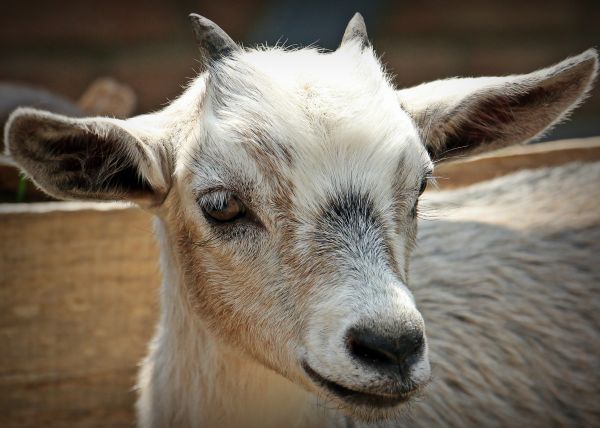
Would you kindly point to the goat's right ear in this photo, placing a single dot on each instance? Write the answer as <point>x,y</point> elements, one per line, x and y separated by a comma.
<point>472,115</point>
<point>90,159</point>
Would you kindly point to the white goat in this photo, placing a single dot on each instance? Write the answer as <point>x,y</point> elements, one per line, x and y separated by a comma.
<point>285,187</point>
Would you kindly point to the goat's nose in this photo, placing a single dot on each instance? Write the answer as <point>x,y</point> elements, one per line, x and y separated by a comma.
<point>383,352</point>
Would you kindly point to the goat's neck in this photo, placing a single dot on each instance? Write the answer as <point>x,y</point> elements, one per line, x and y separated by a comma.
<point>198,381</point>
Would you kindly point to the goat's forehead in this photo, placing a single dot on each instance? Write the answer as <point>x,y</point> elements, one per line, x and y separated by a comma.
<point>304,88</point>
<point>306,118</point>
<point>347,69</point>
<point>315,169</point>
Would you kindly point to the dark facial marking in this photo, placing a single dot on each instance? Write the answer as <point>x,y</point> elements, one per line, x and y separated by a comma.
<point>350,225</point>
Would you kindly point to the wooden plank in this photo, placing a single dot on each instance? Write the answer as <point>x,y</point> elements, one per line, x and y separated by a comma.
<point>77,308</point>
<point>502,162</point>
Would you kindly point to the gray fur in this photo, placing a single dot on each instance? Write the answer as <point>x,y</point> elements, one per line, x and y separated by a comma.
<point>509,287</point>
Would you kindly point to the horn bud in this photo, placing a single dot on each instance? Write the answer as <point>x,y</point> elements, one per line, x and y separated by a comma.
<point>356,30</point>
<point>213,42</point>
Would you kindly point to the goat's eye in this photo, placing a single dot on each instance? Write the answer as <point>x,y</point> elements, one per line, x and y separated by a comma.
<point>225,209</point>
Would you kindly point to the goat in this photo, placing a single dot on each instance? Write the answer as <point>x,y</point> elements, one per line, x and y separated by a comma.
<point>507,282</point>
<point>285,185</point>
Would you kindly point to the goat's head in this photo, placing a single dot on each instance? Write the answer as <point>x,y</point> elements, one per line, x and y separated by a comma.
<point>288,182</point>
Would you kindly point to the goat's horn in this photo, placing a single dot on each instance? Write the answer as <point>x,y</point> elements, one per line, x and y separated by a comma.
<point>214,43</point>
<point>356,30</point>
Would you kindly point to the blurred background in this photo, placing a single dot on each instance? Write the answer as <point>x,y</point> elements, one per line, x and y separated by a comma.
<point>65,45</point>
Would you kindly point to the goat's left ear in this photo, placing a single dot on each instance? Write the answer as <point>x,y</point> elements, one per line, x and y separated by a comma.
<point>472,115</point>
<point>91,158</point>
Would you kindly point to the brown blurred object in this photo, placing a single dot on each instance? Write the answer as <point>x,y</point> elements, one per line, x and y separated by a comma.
<point>107,97</point>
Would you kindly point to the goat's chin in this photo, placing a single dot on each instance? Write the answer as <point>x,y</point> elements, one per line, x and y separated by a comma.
<point>368,414</point>
<point>364,406</point>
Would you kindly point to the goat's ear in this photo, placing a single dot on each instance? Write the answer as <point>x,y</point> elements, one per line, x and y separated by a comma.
<point>472,115</point>
<point>90,158</point>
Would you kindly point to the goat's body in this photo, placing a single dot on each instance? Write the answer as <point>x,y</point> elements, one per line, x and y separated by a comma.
<point>508,285</point>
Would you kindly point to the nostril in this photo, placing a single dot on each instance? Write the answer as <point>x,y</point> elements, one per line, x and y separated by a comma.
<point>383,351</point>
<point>369,354</point>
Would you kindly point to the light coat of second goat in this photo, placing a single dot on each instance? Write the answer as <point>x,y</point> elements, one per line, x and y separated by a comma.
<point>507,279</point>
<point>286,185</point>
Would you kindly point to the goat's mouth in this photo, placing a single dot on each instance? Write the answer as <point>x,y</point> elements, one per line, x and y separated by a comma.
<point>357,398</point>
